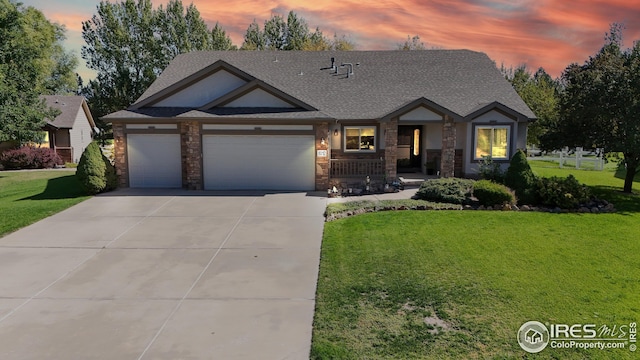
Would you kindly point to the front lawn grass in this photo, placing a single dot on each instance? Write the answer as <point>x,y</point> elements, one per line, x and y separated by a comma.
<point>29,196</point>
<point>484,273</point>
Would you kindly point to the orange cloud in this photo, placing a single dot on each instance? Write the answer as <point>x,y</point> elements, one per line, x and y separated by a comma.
<point>540,33</point>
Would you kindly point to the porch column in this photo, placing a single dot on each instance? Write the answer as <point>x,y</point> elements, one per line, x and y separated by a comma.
<point>447,166</point>
<point>322,162</point>
<point>120,154</point>
<point>191,149</point>
<point>391,149</point>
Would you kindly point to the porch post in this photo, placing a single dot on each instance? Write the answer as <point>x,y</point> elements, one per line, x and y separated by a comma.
<point>391,149</point>
<point>191,149</point>
<point>119,154</point>
<point>322,162</point>
<point>447,166</point>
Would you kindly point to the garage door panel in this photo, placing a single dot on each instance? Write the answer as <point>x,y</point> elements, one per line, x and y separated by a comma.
<point>154,160</point>
<point>274,162</point>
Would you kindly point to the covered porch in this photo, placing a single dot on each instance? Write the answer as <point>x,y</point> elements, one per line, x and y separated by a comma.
<point>413,149</point>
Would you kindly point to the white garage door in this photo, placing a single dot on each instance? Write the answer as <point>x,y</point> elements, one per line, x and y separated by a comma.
<point>154,160</point>
<point>253,162</point>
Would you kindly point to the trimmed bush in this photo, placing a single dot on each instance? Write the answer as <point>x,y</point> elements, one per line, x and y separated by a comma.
<point>490,170</point>
<point>110,173</point>
<point>565,193</point>
<point>490,194</point>
<point>447,190</point>
<point>95,172</point>
<point>521,179</point>
<point>28,157</point>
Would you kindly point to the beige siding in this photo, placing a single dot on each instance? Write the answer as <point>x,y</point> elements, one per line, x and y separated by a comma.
<point>80,135</point>
<point>204,91</point>
<point>259,98</point>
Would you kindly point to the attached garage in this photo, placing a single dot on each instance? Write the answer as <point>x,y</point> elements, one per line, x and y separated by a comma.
<point>154,160</point>
<point>258,162</point>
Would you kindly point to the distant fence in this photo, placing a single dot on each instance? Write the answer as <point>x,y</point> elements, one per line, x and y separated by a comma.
<point>579,157</point>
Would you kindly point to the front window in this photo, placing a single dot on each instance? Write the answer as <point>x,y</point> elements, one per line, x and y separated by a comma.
<point>362,138</point>
<point>492,141</point>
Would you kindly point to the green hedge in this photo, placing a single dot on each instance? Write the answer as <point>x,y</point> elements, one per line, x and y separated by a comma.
<point>490,194</point>
<point>565,193</point>
<point>521,179</point>
<point>447,190</point>
<point>95,173</point>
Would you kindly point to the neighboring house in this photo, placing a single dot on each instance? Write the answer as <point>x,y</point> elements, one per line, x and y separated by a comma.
<point>299,120</point>
<point>71,131</point>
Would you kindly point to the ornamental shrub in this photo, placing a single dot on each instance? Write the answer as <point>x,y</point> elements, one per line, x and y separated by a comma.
<point>447,190</point>
<point>28,157</point>
<point>565,193</point>
<point>489,193</point>
<point>521,179</point>
<point>110,173</point>
<point>490,170</point>
<point>95,172</point>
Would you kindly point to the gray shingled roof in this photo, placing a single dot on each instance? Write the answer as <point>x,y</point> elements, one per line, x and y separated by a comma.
<point>460,81</point>
<point>68,106</point>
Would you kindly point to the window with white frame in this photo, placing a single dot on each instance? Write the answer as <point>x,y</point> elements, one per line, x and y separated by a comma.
<point>360,138</point>
<point>492,141</point>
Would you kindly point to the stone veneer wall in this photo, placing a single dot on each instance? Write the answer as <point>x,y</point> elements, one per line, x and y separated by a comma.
<point>191,145</point>
<point>434,155</point>
<point>448,147</point>
<point>322,163</point>
<point>391,148</point>
<point>120,154</point>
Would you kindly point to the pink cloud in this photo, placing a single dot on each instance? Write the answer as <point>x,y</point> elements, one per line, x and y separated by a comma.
<point>541,33</point>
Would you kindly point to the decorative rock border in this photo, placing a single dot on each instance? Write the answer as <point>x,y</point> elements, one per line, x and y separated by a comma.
<point>595,206</point>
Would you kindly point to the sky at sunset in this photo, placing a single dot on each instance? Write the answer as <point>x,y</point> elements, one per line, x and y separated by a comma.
<point>540,33</point>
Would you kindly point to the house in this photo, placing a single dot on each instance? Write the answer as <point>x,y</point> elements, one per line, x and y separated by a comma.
<point>71,131</point>
<point>299,120</point>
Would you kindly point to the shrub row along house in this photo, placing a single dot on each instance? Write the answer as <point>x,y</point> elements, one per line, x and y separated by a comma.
<point>297,120</point>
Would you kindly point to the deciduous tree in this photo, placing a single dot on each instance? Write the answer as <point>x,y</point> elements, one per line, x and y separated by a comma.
<point>292,34</point>
<point>600,106</point>
<point>129,43</point>
<point>412,43</point>
<point>541,93</point>
<point>32,63</point>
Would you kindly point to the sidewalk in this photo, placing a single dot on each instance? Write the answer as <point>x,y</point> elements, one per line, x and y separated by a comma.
<point>403,194</point>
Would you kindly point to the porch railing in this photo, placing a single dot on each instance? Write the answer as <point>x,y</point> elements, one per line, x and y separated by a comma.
<point>351,168</point>
<point>65,152</point>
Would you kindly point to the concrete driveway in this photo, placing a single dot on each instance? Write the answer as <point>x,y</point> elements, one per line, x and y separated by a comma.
<point>164,275</point>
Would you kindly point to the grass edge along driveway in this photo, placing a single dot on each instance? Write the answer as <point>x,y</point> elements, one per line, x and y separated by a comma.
<point>31,195</point>
<point>481,274</point>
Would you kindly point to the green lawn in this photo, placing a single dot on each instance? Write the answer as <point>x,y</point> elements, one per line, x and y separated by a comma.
<point>483,273</point>
<point>28,196</point>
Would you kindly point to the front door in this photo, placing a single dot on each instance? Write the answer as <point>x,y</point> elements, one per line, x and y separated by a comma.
<point>409,148</point>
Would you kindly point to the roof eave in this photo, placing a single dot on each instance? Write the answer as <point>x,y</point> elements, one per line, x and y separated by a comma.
<point>431,105</point>
<point>496,105</point>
